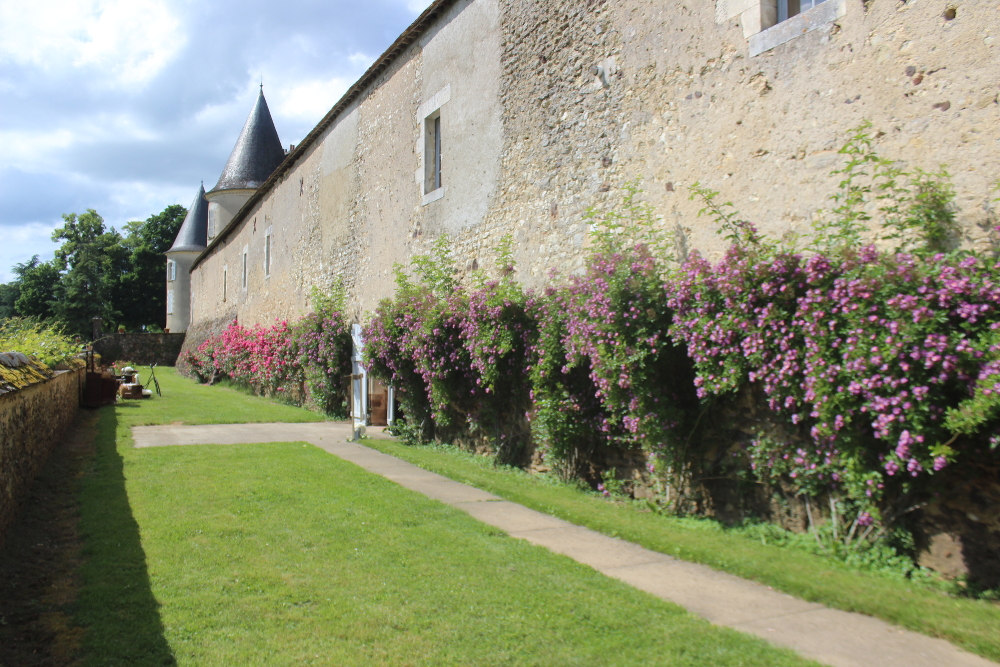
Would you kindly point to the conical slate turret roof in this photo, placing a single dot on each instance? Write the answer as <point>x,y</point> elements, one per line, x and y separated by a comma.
<point>257,153</point>
<point>193,234</point>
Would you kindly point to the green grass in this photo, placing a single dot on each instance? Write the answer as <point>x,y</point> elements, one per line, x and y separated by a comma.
<point>972,624</point>
<point>281,554</point>
<point>184,400</point>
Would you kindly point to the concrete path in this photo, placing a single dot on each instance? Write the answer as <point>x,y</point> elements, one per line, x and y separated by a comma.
<point>833,637</point>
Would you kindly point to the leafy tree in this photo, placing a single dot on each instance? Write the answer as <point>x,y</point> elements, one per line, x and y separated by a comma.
<point>92,261</point>
<point>98,272</point>
<point>8,297</point>
<point>34,289</point>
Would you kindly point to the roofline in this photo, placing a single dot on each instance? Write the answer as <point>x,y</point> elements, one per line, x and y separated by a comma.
<point>410,35</point>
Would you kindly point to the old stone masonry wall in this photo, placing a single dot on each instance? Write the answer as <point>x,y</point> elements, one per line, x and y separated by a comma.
<point>547,108</point>
<point>678,98</point>
<point>36,408</point>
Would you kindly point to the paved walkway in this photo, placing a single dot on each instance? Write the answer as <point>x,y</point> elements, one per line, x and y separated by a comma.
<point>833,637</point>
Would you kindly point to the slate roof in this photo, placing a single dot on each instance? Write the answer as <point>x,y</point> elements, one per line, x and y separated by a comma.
<point>193,234</point>
<point>257,153</point>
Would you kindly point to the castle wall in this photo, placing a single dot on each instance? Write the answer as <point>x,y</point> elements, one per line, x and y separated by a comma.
<point>532,138</point>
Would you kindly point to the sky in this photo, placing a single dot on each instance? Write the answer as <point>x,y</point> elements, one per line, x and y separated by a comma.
<point>125,106</point>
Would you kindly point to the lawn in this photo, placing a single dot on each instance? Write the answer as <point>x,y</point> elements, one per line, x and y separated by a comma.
<point>281,554</point>
<point>185,401</point>
<point>972,624</point>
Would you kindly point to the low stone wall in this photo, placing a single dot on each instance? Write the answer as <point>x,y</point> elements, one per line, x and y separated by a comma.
<point>141,348</point>
<point>32,419</point>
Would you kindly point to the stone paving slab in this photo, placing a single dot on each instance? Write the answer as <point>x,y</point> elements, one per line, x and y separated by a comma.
<point>830,636</point>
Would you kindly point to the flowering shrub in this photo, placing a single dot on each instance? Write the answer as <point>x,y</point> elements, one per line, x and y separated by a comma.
<point>303,362</point>
<point>567,414</point>
<point>877,349</point>
<point>320,344</point>
<point>456,356</point>
<point>883,357</point>
<point>605,364</point>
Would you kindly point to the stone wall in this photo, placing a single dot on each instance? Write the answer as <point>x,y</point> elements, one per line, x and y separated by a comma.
<point>549,107</point>
<point>32,419</point>
<point>141,348</point>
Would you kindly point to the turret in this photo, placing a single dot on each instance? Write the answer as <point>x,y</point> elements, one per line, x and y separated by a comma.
<point>190,242</point>
<point>257,153</point>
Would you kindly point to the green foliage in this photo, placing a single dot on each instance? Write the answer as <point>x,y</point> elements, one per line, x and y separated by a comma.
<point>45,342</point>
<point>739,232</point>
<point>435,271</point>
<point>629,223</point>
<point>914,208</point>
<point>140,293</point>
<point>98,272</point>
<point>34,290</point>
<point>91,259</point>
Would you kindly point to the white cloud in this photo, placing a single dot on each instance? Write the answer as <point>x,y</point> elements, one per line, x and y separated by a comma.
<point>23,241</point>
<point>129,41</point>
<point>361,60</point>
<point>310,100</point>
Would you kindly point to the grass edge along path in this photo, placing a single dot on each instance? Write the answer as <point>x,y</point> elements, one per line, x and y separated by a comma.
<point>166,529</point>
<point>303,558</point>
<point>971,624</point>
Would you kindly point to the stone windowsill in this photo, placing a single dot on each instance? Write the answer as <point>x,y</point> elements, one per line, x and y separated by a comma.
<point>809,20</point>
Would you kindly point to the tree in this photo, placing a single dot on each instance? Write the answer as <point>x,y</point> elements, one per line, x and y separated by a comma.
<point>32,293</point>
<point>9,293</point>
<point>92,262</point>
<point>97,272</point>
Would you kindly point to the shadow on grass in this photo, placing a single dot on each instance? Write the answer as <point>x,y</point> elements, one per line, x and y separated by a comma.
<point>116,604</point>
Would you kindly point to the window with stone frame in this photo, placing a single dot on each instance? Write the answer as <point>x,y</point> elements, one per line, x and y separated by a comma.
<point>789,8</point>
<point>770,23</point>
<point>268,243</point>
<point>211,221</point>
<point>432,152</point>
<point>430,143</point>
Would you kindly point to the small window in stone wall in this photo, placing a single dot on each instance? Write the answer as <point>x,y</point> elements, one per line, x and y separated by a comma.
<point>789,8</point>
<point>432,152</point>
<point>246,251</point>
<point>170,302</point>
<point>211,221</point>
<point>171,272</point>
<point>268,235</point>
<point>770,23</point>
<point>430,144</point>
<point>225,282</point>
